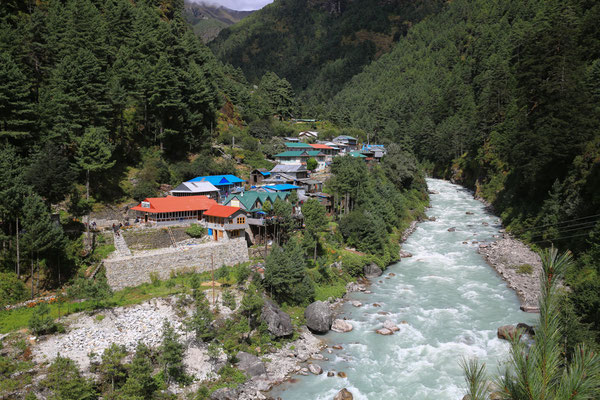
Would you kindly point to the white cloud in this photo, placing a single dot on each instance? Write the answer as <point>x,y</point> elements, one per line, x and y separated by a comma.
<point>241,5</point>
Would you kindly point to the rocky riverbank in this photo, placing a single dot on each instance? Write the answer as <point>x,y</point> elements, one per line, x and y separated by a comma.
<point>519,266</point>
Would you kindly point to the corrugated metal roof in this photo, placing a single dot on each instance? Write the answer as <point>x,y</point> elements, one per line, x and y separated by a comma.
<point>313,153</point>
<point>297,145</point>
<point>196,187</point>
<point>175,204</point>
<point>221,211</point>
<point>283,186</point>
<point>218,180</point>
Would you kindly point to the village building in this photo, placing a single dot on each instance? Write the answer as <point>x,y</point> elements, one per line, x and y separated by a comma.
<point>196,189</point>
<point>225,183</point>
<point>284,187</point>
<point>325,199</point>
<point>358,154</point>
<point>252,202</point>
<point>297,171</point>
<point>172,210</point>
<point>225,222</point>
<point>374,151</point>
<point>291,139</point>
<point>346,143</point>
<point>297,146</point>
<point>300,157</point>
<point>258,175</point>
<point>327,150</point>
<point>308,135</point>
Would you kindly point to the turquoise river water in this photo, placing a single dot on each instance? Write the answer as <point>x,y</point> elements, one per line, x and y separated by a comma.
<point>451,300</point>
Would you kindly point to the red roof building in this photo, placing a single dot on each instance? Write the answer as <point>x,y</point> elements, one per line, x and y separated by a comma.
<point>173,209</point>
<point>225,222</point>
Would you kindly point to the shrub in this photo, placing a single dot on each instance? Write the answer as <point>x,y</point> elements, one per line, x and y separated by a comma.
<point>155,279</point>
<point>241,273</point>
<point>524,269</point>
<point>229,299</point>
<point>195,231</point>
<point>353,264</point>
<point>41,322</point>
<point>12,289</point>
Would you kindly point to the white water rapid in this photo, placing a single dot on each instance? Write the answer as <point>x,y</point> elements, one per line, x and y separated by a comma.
<point>451,300</point>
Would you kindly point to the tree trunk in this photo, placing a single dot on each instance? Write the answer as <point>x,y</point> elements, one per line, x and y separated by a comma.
<point>316,244</point>
<point>32,277</point>
<point>18,253</point>
<point>87,198</point>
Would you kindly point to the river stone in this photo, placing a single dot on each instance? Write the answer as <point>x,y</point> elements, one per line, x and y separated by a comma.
<point>342,374</point>
<point>384,331</point>
<point>339,325</point>
<point>278,322</point>
<point>250,364</point>
<point>356,303</point>
<point>405,254</point>
<point>507,332</point>
<point>388,324</point>
<point>318,317</point>
<point>451,229</point>
<point>315,369</point>
<point>343,394</point>
<point>469,213</point>
<point>526,329</point>
<point>330,374</point>
<point>372,270</point>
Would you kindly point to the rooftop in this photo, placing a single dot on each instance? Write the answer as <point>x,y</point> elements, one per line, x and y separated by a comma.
<point>196,187</point>
<point>321,146</point>
<point>249,198</point>
<point>221,211</point>
<point>282,187</point>
<point>313,153</point>
<point>294,145</point>
<point>174,204</point>
<point>288,168</point>
<point>218,180</point>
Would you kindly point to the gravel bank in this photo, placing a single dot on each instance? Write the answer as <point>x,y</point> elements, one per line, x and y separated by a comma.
<point>505,255</point>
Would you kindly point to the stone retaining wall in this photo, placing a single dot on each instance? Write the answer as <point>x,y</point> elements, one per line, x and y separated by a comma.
<point>135,270</point>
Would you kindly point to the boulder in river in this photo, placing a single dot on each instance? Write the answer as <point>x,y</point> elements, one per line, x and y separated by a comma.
<point>250,364</point>
<point>339,325</point>
<point>469,213</point>
<point>278,322</point>
<point>356,303</point>
<point>388,324</point>
<point>384,331</point>
<point>315,369</point>
<point>318,317</point>
<point>527,329</point>
<point>372,270</point>
<point>451,229</point>
<point>330,374</point>
<point>405,254</point>
<point>343,394</point>
<point>507,332</point>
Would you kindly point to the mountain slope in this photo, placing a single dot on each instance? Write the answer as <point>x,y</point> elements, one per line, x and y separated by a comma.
<point>208,20</point>
<point>318,45</point>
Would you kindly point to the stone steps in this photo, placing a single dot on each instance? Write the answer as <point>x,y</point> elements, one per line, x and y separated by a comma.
<point>121,246</point>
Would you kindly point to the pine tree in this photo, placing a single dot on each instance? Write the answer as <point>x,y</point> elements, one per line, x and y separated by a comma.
<point>16,111</point>
<point>112,368</point>
<point>51,174</point>
<point>66,383</point>
<point>202,318</point>
<point>314,221</point>
<point>93,155</point>
<point>139,385</point>
<point>541,371</point>
<point>171,354</point>
<point>41,233</point>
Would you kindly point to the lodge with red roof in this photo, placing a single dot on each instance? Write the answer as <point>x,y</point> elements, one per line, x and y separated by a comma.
<point>171,209</point>
<point>225,222</point>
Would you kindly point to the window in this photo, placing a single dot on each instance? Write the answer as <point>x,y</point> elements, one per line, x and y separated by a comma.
<point>240,220</point>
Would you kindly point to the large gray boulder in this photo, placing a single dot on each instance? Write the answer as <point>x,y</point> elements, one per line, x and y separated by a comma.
<point>318,317</point>
<point>250,364</point>
<point>225,394</point>
<point>278,322</point>
<point>372,270</point>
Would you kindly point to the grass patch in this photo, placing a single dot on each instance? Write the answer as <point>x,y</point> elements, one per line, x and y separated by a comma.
<point>100,317</point>
<point>524,269</point>
<point>323,292</point>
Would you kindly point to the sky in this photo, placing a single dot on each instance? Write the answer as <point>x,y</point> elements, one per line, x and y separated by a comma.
<point>241,5</point>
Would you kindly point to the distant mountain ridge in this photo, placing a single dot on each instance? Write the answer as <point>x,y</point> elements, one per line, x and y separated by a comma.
<point>208,20</point>
<point>318,45</point>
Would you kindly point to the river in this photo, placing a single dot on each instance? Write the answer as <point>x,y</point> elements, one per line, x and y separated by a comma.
<point>451,301</point>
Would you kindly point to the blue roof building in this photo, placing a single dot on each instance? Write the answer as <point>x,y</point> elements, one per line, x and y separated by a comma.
<point>284,187</point>
<point>225,183</point>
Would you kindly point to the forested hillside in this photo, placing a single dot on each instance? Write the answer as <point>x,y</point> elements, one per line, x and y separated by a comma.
<point>317,45</point>
<point>208,20</point>
<point>503,96</point>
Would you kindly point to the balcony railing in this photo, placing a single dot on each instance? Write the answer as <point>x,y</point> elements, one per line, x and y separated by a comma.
<point>227,227</point>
